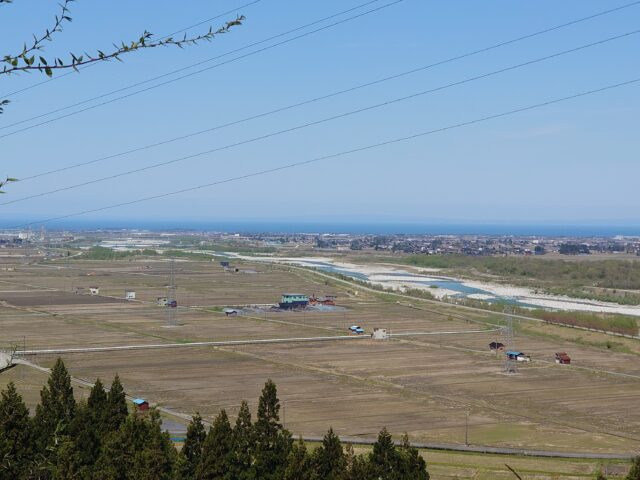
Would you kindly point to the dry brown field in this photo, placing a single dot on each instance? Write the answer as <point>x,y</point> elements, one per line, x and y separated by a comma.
<point>422,385</point>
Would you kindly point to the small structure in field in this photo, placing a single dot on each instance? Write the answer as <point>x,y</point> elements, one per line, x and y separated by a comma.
<point>496,346</point>
<point>562,358</point>
<point>326,300</point>
<point>518,356</point>
<point>129,295</point>
<point>380,334</point>
<point>162,301</point>
<point>141,404</point>
<point>224,264</point>
<point>293,300</point>
<point>94,290</point>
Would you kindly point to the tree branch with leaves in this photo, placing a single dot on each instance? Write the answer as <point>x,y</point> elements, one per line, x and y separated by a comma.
<point>32,56</point>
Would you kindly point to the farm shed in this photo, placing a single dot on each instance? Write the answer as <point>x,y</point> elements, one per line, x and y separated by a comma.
<point>141,404</point>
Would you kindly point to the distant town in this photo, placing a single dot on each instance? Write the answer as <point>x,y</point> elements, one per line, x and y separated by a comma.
<point>469,245</point>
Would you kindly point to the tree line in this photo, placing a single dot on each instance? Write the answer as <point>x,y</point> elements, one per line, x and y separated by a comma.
<point>101,439</point>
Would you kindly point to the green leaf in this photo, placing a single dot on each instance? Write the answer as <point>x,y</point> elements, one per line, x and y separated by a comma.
<point>48,71</point>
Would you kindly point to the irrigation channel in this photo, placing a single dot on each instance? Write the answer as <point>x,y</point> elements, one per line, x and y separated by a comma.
<point>229,343</point>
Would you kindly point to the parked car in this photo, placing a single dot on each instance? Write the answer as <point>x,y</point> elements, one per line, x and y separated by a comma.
<point>357,329</point>
<point>562,358</point>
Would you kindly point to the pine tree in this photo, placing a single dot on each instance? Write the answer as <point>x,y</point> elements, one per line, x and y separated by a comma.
<point>98,406</point>
<point>243,445</point>
<point>299,464</point>
<point>273,443</point>
<point>116,406</point>
<point>329,460</point>
<point>157,457</point>
<point>192,449</point>
<point>138,450</point>
<point>634,473</point>
<point>80,450</point>
<point>15,434</point>
<point>411,464</point>
<point>56,409</point>
<point>217,459</point>
<point>384,457</point>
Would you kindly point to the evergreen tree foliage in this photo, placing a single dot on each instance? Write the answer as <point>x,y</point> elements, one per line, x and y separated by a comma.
<point>243,445</point>
<point>411,464</point>
<point>216,460</point>
<point>273,443</point>
<point>299,464</point>
<point>329,459</point>
<point>97,404</point>
<point>192,449</point>
<point>358,467</point>
<point>81,448</point>
<point>55,411</point>
<point>99,439</point>
<point>384,458</point>
<point>15,434</point>
<point>137,450</point>
<point>634,473</point>
<point>116,406</point>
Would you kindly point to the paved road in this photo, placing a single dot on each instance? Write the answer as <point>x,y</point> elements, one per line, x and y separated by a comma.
<point>230,343</point>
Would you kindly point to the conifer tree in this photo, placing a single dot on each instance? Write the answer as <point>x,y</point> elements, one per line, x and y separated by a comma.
<point>116,406</point>
<point>216,460</point>
<point>138,450</point>
<point>411,464</point>
<point>192,449</point>
<point>15,434</point>
<point>157,457</point>
<point>384,457</point>
<point>329,459</point>
<point>56,409</point>
<point>273,443</point>
<point>243,445</point>
<point>634,473</point>
<point>299,464</point>
<point>97,404</point>
<point>357,465</point>
<point>81,448</point>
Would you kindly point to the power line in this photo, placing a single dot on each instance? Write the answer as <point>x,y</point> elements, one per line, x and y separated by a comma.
<point>335,155</point>
<point>321,121</point>
<point>283,42</point>
<point>57,77</point>
<point>330,95</point>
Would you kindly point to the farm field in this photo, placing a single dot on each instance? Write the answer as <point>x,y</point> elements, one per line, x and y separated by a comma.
<point>420,384</point>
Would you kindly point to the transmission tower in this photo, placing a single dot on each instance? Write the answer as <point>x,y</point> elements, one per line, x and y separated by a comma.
<point>172,308</point>
<point>510,364</point>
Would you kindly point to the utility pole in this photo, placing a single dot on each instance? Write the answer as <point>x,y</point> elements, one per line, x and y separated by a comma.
<point>171,296</point>
<point>510,364</point>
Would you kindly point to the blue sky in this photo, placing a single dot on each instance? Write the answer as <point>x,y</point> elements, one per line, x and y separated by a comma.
<point>575,162</point>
